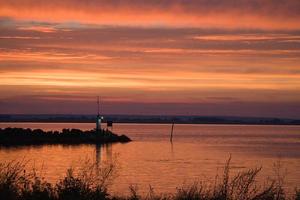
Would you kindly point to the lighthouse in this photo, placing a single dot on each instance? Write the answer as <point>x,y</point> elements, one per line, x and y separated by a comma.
<point>99,118</point>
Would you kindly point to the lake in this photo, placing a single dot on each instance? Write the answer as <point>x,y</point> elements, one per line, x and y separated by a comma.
<point>197,153</point>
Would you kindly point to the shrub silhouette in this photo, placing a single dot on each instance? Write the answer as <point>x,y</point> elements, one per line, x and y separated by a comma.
<point>90,183</point>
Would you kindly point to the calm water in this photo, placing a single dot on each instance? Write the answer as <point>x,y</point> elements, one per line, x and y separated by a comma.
<point>198,152</point>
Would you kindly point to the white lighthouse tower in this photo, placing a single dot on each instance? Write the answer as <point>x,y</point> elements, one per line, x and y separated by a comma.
<point>99,118</point>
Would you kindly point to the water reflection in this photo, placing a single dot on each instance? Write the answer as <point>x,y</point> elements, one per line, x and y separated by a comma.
<point>172,149</point>
<point>107,148</point>
<point>98,154</point>
<point>109,151</point>
<point>151,158</point>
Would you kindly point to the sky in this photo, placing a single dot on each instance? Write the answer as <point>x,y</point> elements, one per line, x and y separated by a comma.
<point>167,57</point>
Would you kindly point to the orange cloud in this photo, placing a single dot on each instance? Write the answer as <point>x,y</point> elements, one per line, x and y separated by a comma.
<point>176,14</point>
<point>249,37</point>
<point>39,29</point>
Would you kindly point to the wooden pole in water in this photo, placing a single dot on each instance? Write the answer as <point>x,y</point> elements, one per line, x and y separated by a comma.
<point>171,136</point>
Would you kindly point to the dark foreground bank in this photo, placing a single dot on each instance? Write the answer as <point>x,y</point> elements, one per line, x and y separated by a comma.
<point>21,136</point>
<point>91,182</point>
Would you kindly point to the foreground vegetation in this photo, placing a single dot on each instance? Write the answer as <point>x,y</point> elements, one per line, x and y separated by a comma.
<point>20,136</point>
<point>90,183</point>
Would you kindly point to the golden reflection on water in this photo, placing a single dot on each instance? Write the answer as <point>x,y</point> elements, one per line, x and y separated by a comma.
<point>198,152</point>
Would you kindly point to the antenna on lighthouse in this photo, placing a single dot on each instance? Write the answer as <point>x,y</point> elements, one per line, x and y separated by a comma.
<point>98,105</point>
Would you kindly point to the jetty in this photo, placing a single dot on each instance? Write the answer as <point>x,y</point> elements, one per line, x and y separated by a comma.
<point>26,136</point>
<point>21,136</point>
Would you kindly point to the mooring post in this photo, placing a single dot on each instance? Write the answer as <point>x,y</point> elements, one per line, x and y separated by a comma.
<point>171,136</point>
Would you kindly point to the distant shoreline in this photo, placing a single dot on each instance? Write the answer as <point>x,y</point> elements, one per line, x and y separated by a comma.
<point>147,119</point>
<point>145,122</point>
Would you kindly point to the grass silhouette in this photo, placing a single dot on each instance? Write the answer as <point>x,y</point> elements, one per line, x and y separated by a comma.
<point>91,182</point>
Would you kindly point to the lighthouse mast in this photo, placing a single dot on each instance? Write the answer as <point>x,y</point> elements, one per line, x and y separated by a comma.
<point>98,122</point>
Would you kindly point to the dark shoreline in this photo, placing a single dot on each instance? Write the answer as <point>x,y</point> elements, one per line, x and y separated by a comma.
<point>148,119</point>
<point>22,136</point>
<point>153,122</point>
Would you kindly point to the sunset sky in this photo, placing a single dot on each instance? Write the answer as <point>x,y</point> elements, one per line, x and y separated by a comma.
<point>204,57</point>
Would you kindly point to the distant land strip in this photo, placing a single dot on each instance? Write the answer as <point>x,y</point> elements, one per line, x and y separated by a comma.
<point>149,119</point>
